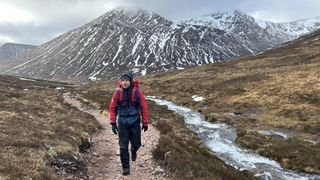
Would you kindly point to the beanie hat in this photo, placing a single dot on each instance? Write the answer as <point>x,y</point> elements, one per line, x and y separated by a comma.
<point>126,75</point>
<point>125,78</point>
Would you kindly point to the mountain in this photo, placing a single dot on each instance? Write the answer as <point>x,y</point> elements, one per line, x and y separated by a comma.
<point>247,28</point>
<point>291,30</point>
<point>10,50</point>
<point>141,41</point>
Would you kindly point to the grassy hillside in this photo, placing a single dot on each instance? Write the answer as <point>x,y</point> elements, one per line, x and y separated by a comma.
<point>277,90</point>
<point>39,134</point>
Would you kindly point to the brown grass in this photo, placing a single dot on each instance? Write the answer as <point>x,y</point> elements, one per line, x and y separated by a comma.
<point>38,131</point>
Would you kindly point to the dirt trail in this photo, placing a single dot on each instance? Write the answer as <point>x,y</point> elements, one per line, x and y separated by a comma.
<point>104,160</point>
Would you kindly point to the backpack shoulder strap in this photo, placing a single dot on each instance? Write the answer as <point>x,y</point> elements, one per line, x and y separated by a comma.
<point>135,90</point>
<point>120,95</point>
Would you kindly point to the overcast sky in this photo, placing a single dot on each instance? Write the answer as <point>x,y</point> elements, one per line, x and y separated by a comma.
<point>38,21</point>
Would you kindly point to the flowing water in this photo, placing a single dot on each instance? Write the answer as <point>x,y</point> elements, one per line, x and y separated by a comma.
<point>220,139</point>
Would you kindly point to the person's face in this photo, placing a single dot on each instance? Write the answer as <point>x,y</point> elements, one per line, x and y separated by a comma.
<point>125,83</point>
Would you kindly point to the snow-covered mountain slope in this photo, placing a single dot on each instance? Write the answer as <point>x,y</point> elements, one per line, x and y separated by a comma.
<point>291,30</point>
<point>237,22</point>
<point>10,50</point>
<point>141,41</point>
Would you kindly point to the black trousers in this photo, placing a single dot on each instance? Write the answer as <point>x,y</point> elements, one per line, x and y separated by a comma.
<point>129,133</point>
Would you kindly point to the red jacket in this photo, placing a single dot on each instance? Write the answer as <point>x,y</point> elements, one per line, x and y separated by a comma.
<point>128,114</point>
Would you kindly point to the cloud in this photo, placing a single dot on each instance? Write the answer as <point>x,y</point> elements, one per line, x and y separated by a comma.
<point>28,33</point>
<point>282,11</point>
<point>10,13</point>
<point>48,18</point>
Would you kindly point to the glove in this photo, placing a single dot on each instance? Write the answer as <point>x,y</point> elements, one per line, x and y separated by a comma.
<point>144,127</point>
<point>114,128</point>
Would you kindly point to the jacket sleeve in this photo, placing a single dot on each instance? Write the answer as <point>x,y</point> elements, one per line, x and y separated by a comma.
<point>143,108</point>
<point>113,108</point>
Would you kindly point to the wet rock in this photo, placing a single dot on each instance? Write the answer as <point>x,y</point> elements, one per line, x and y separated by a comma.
<point>167,157</point>
<point>70,177</point>
<point>68,163</point>
<point>2,168</point>
<point>85,145</point>
<point>158,170</point>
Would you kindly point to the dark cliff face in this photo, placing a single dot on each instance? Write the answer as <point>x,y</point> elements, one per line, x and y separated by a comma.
<point>143,42</point>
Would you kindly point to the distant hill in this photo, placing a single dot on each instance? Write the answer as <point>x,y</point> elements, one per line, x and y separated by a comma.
<point>10,50</point>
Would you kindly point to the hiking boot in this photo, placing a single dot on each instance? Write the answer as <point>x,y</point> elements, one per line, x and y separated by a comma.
<point>134,156</point>
<point>126,171</point>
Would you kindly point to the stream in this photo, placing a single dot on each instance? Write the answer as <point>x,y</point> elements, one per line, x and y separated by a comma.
<point>220,139</point>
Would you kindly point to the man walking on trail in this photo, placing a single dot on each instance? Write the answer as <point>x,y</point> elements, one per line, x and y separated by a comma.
<point>130,105</point>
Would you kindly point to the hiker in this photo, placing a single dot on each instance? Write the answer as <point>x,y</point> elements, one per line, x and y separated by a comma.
<point>130,105</point>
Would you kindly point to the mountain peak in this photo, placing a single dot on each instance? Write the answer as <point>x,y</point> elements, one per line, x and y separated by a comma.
<point>125,10</point>
<point>129,15</point>
<point>129,12</point>
<point>238,12</point>
<point>233,13</point>
<point>226,21</point>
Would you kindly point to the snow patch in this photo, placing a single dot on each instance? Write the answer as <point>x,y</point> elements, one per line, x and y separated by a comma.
<point>25,79</point>
<point>136,70</point>
<point>197,98</point>
<point>119,48</point>
<point>92,78</point>
<point>138,40</point>
<point>163,40</point>
<point>144,72</point>
<point>272,132</point>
